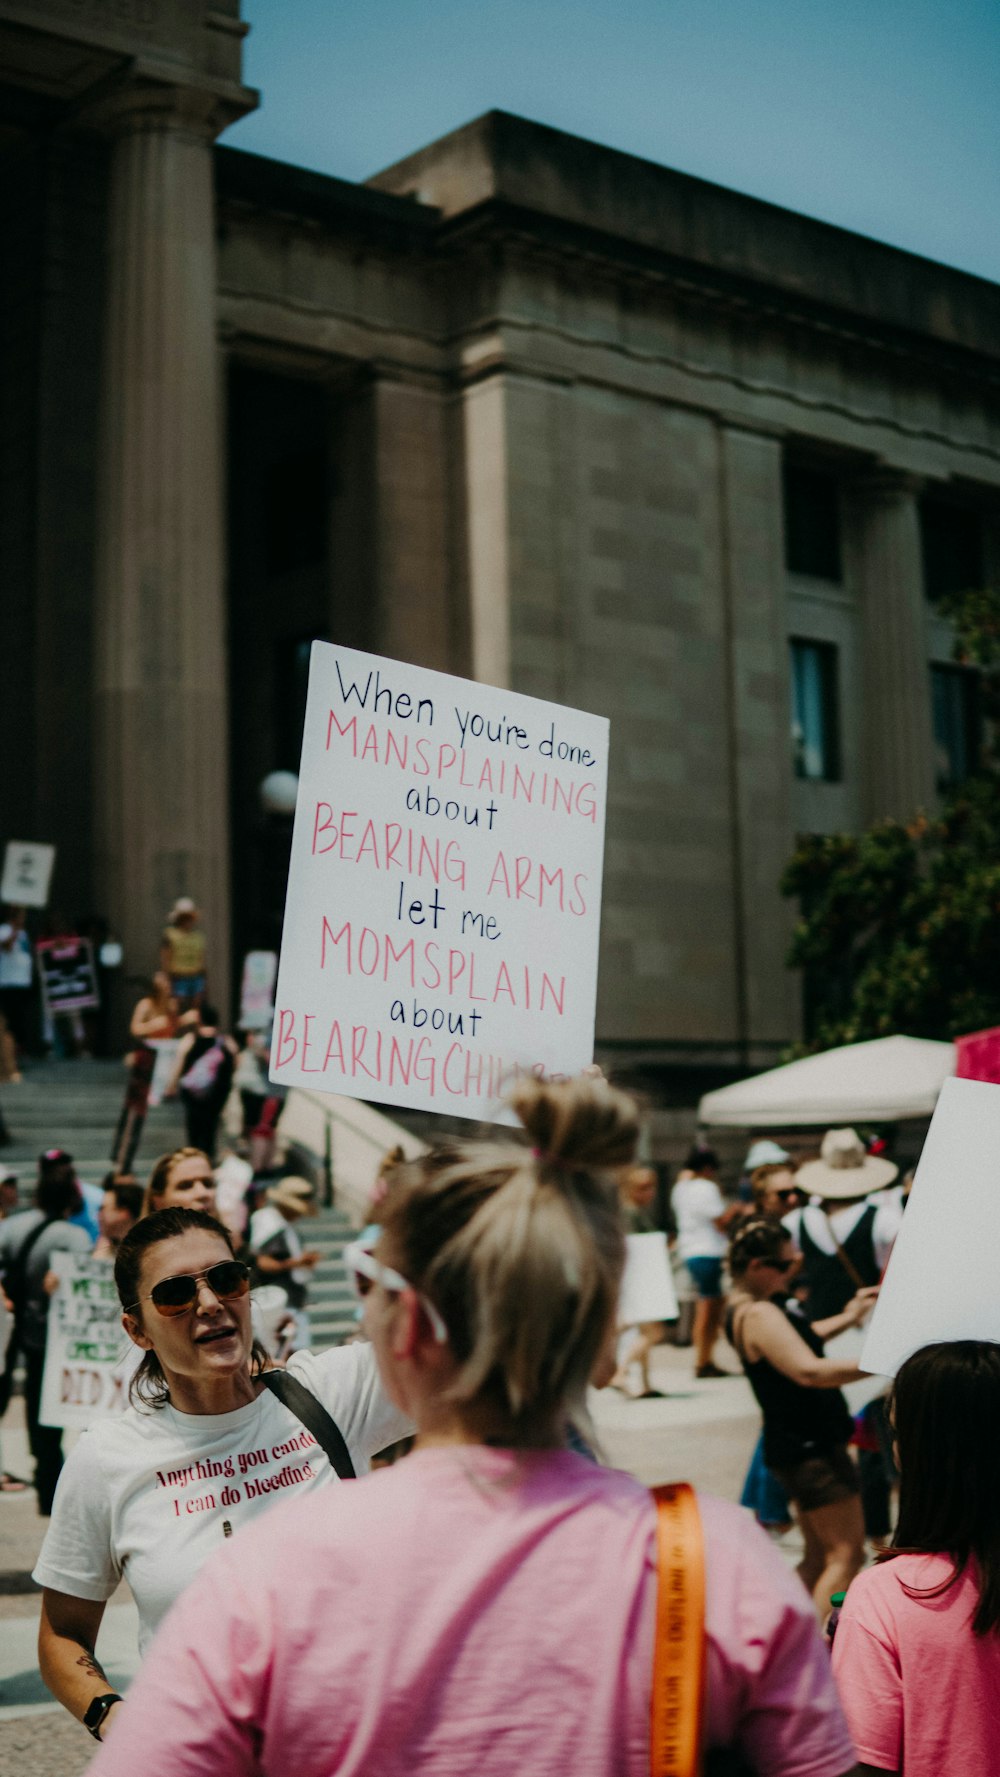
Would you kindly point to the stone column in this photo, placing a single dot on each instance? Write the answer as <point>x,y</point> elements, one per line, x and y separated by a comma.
<point>161,796</point>
<point>487,520</point>
<point>897,754</point>
<point>414,615</point>
<point>760,763</point>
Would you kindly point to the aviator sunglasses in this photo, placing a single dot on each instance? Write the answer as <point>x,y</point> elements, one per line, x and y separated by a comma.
<point>177,1295</point>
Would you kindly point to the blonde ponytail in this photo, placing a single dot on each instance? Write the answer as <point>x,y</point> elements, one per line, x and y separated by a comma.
<point>522,1250</point>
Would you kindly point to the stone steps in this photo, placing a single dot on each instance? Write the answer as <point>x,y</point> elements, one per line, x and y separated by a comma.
<point>76,1104</point>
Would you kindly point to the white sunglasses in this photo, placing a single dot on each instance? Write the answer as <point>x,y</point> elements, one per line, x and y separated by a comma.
<point>365,1269</point>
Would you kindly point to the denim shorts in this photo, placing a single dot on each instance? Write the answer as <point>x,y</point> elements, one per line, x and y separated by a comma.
<point>823,1478</point>
<point>187,987</point>
<point>706,1275</point>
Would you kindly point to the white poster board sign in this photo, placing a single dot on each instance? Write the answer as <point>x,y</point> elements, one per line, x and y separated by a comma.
<point>260,968</point>
<point>647,1291</point>
<point>444,894</point>
<point>27,874</point>
<point>941,1279</point>
<point>84,1378</point>
<point>166,1056</point>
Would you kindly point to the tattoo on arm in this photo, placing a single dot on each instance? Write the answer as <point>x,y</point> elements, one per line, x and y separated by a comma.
<point>92,1665</point>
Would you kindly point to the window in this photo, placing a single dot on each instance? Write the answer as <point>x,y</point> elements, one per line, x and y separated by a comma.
<point>295,512</point>
<point>956,715</point>
<point>952,543</point>
<point>291,682</point>
<point>815,721</point>
<point>812,522</point>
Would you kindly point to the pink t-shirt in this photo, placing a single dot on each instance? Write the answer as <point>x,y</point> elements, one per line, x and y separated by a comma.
<point>921,1692</point>
<point>469,1611</point>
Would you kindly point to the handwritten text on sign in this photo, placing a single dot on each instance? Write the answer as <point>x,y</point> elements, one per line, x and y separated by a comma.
<point>85,1377</point>
<point>441,925</point>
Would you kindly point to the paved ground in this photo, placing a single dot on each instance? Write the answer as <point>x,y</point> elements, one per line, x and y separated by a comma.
<point>702,1432</point>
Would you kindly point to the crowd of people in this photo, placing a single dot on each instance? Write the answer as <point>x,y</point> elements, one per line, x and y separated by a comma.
<point>360,1627</point>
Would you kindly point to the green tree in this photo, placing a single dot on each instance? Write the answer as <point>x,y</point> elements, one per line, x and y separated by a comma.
<point>899,927</point>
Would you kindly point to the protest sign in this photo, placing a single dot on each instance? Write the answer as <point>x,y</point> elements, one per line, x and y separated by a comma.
<point>941,1279</point>
<point>69,982</point>
<point>84,1377</point>
<point>647,1291</point>
<point>257,989</point>
<point>27,874</point>
<point>443,907</point>
<point>166,1055</point>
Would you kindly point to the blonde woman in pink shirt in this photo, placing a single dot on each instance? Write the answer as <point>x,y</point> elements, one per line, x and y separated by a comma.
<point>486,1606</point>
<point>917,1651</point>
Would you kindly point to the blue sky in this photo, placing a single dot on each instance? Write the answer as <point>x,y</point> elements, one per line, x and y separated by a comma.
<point>879,115</point>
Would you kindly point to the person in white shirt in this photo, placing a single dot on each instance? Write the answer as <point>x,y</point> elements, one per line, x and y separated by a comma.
<point>702,1217</point>
<point>16,970</point>
<point>213,1439</point>
<point>845,1237</point>
<point>278,1253</point>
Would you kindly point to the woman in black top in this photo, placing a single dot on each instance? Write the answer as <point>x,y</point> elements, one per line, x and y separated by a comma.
<point>807,1424</point>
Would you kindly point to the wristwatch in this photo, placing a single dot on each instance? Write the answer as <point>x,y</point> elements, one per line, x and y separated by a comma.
<point>93,1721</point>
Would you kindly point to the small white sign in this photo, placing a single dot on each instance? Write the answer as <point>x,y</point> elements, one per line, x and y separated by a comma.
<point>84,1377</point>
<point>166,1055</point>
<point>647,1291</point>
<point>257,989</point>
<point>27,874</point>
<point>444,895</point>
<point>941,1280</point>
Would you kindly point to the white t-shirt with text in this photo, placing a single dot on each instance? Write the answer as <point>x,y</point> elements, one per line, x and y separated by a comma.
<point>696,1202</point>
<point>146,1495</point>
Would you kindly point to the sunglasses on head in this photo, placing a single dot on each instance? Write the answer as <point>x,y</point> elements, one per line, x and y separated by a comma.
<point>365,1270</point>
<point>227,1280</point>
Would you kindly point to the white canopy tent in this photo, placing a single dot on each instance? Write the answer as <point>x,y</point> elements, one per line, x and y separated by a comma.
<point>876,1082</point>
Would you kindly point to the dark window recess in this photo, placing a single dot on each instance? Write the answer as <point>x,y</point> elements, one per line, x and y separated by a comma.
<point>952,543</point>
<point>815,711</point>
<point>957,724</point>
<point>291,683</point>
<point>295,512</point>
<point>812,523</point>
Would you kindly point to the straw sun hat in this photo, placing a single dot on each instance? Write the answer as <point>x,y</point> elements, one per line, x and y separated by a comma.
<point>296,1195</point>
<point>844,1170</point>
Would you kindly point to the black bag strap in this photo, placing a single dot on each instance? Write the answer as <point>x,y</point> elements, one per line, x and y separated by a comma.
<point>314,1416</point>
<point>16,1279</point>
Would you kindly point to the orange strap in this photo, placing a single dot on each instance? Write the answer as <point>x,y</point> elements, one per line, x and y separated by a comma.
<point>679,1653</point>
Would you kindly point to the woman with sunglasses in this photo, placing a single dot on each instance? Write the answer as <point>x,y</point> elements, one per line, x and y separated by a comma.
<point>807,1423</point>
<point>204,1447</point>
<point>487,1605</point>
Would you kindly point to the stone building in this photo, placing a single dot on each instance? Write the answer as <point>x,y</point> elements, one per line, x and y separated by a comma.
<point>520,407</point>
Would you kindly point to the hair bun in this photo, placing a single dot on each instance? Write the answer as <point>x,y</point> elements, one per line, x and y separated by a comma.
<point>581,1123</point>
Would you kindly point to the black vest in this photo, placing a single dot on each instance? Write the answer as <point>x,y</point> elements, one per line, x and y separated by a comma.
<point>828,1282</point>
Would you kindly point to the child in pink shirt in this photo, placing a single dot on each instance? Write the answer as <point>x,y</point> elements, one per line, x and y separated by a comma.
<point>917,1650</point>
<point>485,1607</point>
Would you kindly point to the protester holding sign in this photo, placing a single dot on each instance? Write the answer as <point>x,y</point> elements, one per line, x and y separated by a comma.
<point>488,1604</point>
<point>154,1019</point>
<point>917,1649</point>
<point>807,1423</point>
<point>16,971</point>
<point>206,1447</point>
<point>28,1243</point>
